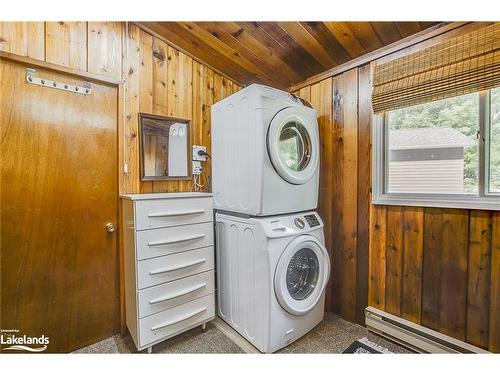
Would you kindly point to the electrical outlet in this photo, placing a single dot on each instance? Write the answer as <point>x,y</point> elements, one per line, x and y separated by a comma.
<point>197,156</point>
<point>197,169</point>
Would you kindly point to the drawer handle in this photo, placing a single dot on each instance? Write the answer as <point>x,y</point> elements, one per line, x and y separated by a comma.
<point>175,240</point>
<point>181,319</point>
<point>179,294</point>
<point>179,267</point>
<point>176,213</point>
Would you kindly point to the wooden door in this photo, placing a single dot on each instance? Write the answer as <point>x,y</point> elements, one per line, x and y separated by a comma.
<point>59,265</point>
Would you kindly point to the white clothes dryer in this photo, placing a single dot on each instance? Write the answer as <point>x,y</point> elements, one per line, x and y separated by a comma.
<point>265,153</point>
<point>271,276</point>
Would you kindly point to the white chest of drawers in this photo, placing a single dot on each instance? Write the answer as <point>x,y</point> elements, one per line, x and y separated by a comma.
<point>169,264</point>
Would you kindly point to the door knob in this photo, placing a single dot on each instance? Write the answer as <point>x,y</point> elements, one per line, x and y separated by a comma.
<point>110,227</point>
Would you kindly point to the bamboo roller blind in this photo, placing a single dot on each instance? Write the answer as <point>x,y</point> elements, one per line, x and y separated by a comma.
<point>459,66</point>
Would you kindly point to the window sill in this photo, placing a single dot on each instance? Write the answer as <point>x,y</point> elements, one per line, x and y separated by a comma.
<point>446,201</point>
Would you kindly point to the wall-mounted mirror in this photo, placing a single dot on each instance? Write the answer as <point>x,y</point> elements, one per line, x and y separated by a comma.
<point>164,151</point>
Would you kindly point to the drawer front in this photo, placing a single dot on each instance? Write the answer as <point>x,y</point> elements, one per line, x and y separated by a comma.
<point>165,241</point>
<point>160,270</point>
<point>166,296</point>
<point>162,213</point>
<point>172,321</point>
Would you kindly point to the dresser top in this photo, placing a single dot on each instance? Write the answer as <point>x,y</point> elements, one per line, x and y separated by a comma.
<point>140,197</point>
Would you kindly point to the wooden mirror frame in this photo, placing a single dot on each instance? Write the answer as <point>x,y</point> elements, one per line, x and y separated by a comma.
<point>172,120</point>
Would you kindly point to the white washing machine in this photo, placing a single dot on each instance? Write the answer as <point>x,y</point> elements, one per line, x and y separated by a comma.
<point>265,153</point>
<point>271,276</point>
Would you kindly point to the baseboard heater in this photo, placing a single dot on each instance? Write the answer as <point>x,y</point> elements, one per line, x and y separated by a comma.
<point>414,336</point>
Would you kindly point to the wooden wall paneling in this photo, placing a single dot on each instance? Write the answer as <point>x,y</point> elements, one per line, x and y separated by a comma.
<point>197,117</point>
<point>217,88</point>
<point>23,38</point>
<point>145,95</point>
<point>209,94</point>
<point>411,288</point>
<point>237,88</point>
<point>227,87</point>
<point>494,326</point>
<point>455,229</point>
<point>160,77</point>
<point>322,100</point>
<point>132,97</point>
<point>478,278</point>
<point>180,96</point>
<point>394,259</point>
<point>160,95</point>
<point>105,48</point>
<point>377,256</point>
<point>305,93</point>
<point>202,98</point>
<point>66,44</point>
<point>364,186</point>
<point>349,196</point>
<point>36,40</point>
<point>431,278</point>
<point>333,190</point>
<point>180,85</point>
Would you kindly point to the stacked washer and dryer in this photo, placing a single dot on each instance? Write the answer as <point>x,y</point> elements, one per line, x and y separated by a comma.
<point>272,265</point>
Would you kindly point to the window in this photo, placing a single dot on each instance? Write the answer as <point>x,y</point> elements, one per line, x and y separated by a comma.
<point>493,144</point>
<point>444,153</point>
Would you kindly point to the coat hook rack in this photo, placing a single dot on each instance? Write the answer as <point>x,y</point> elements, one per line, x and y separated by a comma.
<point>31,77</point>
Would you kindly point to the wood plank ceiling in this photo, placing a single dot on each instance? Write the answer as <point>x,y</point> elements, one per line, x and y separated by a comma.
<point>280,53</point>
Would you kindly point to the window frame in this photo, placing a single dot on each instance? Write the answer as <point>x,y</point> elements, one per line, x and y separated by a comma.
<point>485,200</point>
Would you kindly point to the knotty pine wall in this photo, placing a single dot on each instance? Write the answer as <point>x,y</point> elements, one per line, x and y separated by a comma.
<point>344,197</point>
<point>154,77</point>
<point>164,81</point>
<point>436,267</point>
<point>93,47</point>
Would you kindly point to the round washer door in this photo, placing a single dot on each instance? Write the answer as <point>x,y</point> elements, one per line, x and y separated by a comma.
<point>301,275</point>
<point>293,145</point>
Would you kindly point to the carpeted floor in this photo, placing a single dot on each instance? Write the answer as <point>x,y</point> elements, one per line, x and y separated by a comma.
<point>333,335</point>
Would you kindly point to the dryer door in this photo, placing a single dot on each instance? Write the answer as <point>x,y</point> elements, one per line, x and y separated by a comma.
<point>301,275</point>
<point>293,145</point>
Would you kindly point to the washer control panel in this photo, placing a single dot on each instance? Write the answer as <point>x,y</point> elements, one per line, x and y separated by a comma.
<point>279,226</point>
<point>312,220</point>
